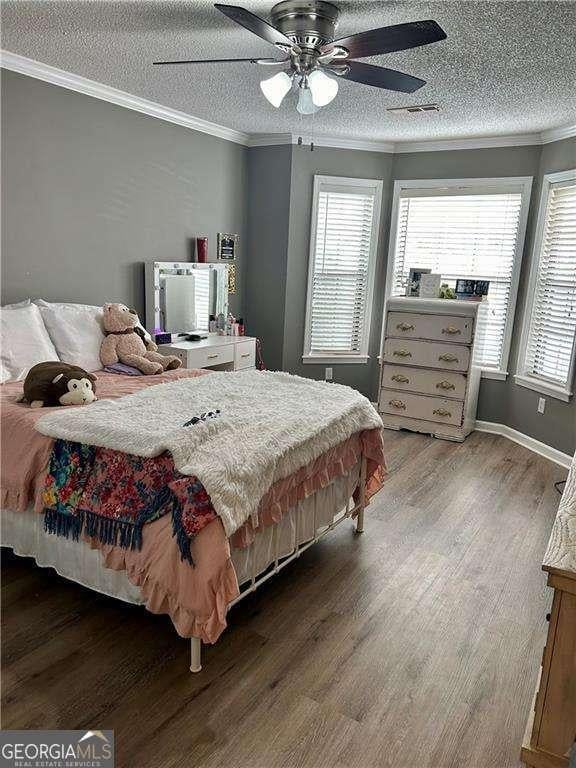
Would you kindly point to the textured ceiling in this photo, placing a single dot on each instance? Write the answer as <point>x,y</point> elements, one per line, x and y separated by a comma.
<point>506,67</point>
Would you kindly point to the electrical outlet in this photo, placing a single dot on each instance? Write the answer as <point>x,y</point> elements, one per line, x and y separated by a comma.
<point>541,404</point>
<point>328,374</point>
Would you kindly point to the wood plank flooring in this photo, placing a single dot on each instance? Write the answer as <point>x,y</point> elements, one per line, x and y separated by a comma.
<point>416,645</point>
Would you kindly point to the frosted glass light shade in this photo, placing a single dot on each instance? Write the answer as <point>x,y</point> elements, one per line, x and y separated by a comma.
<point>305,104</point>
<point>323,88</point>
<point>276,87</point>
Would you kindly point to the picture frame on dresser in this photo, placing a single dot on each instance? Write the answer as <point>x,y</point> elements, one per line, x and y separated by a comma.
<point>428,379</point>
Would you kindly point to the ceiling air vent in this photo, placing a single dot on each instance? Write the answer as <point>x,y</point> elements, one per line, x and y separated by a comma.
<point>416,108</point>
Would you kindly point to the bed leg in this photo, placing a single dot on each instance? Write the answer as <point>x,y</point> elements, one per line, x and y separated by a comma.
<point>195,654</point>
<point>362,499</point>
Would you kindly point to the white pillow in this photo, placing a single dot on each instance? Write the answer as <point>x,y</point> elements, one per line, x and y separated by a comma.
<point>17,304</point>
<point>24,340</point>
<point>76,331</point>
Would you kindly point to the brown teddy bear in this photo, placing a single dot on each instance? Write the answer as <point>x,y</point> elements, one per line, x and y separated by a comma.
<point>56,383</point>
<point>125,345</point>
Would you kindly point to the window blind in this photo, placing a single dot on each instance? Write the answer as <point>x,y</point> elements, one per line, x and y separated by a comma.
<point>463,234</point>
<point>552,332</point>
<point>343,247</point>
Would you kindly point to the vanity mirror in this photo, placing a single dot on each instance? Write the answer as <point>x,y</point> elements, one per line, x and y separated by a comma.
<point>181,296</point>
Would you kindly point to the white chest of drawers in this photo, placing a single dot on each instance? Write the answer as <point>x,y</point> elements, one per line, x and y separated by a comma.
<point>223,353</point>
<point>428,381</point>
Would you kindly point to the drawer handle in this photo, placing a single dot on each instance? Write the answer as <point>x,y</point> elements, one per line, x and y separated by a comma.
<point>445,385</point>
<point>397,404</point>
<point>400,378</point>
<point>405,327</point>
<point>213,357</point>
<point>402,353</point>
<point>247,354</point>
<point>448,358</point>
<point>451,330</point>
<point>441,412</point>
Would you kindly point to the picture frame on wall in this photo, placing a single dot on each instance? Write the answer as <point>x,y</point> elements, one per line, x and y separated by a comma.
<point>414,277</point>
<point>226,246</point>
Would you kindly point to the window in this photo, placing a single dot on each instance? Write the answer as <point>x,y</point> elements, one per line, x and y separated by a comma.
<point>547,347</point>
<point>465,228</point>
<point>343,243</point>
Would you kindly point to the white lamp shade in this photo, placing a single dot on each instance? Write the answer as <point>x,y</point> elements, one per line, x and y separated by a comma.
<point>276,87</point>
<point>306,104</point>
<point>323,88</point>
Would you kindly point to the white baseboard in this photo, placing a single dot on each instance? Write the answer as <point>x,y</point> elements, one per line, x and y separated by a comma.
<point>564,459</point>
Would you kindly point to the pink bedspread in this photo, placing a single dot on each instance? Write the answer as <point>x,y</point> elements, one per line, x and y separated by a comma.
<point>196,599</point>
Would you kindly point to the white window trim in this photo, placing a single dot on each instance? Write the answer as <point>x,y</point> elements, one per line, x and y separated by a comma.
<point>521,377</point>
<point>500,183</point>
<point>362,356</point>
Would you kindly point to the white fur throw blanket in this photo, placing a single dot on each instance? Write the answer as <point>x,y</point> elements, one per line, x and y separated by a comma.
<point>270,425</point>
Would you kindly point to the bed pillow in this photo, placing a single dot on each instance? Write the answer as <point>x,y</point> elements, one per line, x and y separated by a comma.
<point>76,332</point>
<point>24,342</point>
<point>18,304</point>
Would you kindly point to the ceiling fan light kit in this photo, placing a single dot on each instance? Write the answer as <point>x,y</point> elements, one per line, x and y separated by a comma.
<point>323,88</point>
<point>314,90</point>
<point>276,87</point>
<point>304,31</point>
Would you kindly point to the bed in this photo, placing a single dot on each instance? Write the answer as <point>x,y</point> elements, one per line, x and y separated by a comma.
<point>297,511</point>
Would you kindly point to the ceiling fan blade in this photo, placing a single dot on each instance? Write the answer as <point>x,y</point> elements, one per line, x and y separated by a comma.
<point>381,77</point>
<point>255,24</point>
<point>388,39</point>
<point>224,61</point>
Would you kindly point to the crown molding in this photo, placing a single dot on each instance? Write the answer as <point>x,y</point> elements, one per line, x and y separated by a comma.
<point>333,142</point>
<point>449,145</point>
<point>72,82</point>
<point>342,142</point>
<point>403,147</point>
<point>25,66</point>
<point>269,139</point>
<point>557,134</point>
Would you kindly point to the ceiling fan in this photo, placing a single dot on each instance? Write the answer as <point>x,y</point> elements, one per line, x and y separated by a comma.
<point>304,30</point>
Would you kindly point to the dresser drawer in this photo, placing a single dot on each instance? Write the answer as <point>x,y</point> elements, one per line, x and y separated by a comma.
<point>429,354</point>
<point>245,355</point>
<point>426,382</point>
<point>206,357</point>
<point>438,409</point>
<point>411,325</point>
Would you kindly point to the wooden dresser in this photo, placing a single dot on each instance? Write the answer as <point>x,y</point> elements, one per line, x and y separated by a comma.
<point>428,381</point>
<point>551,728</point>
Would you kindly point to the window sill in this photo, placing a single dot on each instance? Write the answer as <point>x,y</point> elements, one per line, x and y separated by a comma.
<point>334,359</point>
<point>492,373</point>
<point>543,387</point>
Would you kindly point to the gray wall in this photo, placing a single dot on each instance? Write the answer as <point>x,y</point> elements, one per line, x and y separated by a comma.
<point>268,203</point>
<point>91,190</point>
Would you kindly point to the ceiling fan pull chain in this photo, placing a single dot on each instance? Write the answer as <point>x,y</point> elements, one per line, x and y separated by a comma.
<point>312,132</point>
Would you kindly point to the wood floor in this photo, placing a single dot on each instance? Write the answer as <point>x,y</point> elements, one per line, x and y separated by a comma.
<point>416,645</point>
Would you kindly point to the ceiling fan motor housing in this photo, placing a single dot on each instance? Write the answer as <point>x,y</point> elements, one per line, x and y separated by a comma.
<point>309,23</point>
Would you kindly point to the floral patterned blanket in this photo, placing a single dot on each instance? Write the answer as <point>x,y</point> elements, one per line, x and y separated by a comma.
<point>110,496</point>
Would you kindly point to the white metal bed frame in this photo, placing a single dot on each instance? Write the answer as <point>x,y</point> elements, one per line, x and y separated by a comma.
<point>356,511</point>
